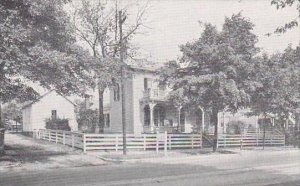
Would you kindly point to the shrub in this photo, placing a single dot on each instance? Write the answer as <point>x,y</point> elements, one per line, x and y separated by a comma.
<point>235,127</point>
<point>292,138</point>
<point>58,124</point>
<point>87,120</point>
<point>2,124</point>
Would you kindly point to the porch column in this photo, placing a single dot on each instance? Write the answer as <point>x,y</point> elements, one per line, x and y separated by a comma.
<point>202,117</point>
<point>256,124</point>
<point>151,105</point>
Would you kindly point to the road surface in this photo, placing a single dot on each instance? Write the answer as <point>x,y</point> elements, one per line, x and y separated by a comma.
<point>253,168</point>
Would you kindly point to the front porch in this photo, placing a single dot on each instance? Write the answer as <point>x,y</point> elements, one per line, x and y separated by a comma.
<point>161,116</point>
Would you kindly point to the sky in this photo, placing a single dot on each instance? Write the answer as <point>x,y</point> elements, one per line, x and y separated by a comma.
<point>171,23</point>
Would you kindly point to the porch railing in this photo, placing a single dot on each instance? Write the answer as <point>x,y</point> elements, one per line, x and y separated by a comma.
<point>154,94</point>
<point>161,129</point>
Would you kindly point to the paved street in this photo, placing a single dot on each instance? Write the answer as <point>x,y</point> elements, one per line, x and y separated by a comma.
<point>255,167</point>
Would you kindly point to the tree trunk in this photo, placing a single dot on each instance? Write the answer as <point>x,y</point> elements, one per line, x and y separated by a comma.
<point>214,119</point>
<point>101,115</point>
<point>0,115</point>
<point>297,121</point>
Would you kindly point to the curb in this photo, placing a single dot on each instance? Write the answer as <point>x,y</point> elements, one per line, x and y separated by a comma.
<point>124,160</point>
<point>112,159</point>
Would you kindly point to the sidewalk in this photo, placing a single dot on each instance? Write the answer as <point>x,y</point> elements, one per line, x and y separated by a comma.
<point>191,155</point>
<point>25,153</point>
<point>139,156</point>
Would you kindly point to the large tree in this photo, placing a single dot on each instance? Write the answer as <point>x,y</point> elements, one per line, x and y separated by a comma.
<point>37,45</point>
<point>279,76</point>
<point>97,25</point>
<point>215,70</point>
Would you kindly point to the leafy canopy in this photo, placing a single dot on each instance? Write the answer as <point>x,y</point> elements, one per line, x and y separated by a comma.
<point>280,79</point>
<point>37,45</point>
<point>215,70</point>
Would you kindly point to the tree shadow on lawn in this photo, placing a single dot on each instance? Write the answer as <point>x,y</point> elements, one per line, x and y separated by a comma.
<point>30,154</point>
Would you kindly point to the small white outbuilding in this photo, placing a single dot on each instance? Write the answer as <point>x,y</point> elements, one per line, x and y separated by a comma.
<point>49,105</point>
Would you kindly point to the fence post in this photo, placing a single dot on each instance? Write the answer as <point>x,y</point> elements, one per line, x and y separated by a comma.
<point>117,142</point>
<point>170,141</point>
<point>49,135</point>
<point>201,140</point>
<point>271,139</point>
<point>84,143</point>
<point>192,141</point>
<point>156,142</point>
<point>144,143</point>
<point>241,142</point>
<point>64,137</point>
<point>165,143</point>
<point>56,137</point>
<point>257,137</point>
<point>72,140</point>
<point>224,140</point>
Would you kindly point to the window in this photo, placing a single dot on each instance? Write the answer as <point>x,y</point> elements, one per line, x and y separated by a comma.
<point>53,114</point>
<point>89,100</point>
<point>107,120</point>
<point>117,92</point>
<point>145,84</point>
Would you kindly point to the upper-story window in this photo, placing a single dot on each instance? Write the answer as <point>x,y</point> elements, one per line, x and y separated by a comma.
<point>53,114</point>
<point>145,83</point>
<point>117,92</point>
<point>89,100</point>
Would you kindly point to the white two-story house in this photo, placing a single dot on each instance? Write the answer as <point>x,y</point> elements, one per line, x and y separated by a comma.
<point>147,109</point>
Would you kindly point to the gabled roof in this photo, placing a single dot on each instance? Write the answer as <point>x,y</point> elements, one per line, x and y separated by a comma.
<point>44,95</point>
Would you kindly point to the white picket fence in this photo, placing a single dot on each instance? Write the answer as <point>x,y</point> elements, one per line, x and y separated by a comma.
<point>246,140</point>
<point>90,142</point>
<point>72,139</point>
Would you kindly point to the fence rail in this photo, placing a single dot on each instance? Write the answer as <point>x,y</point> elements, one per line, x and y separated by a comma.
<point>244,140</point>
<point>89,142</point>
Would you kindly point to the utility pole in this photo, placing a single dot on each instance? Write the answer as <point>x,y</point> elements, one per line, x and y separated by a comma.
<point>123,77</point>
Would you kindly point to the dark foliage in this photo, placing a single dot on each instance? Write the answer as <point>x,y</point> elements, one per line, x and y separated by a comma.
<point>58,124</point>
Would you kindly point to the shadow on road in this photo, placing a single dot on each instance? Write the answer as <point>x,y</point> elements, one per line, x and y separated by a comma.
<point>29,154</point>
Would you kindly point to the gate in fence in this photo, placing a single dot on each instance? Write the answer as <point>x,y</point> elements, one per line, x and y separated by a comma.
<point>90,142</point>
